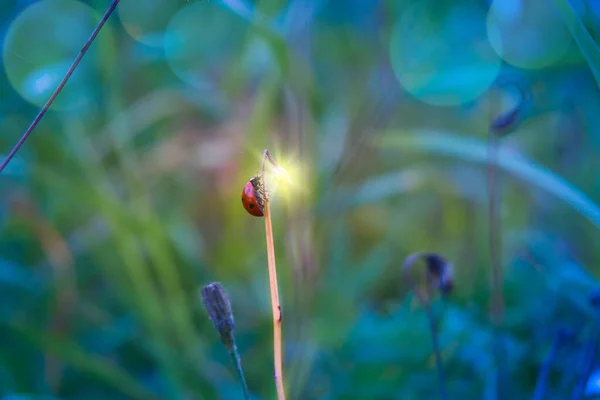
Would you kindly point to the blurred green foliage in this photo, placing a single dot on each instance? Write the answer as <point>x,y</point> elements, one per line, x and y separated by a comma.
<point>126,199</point>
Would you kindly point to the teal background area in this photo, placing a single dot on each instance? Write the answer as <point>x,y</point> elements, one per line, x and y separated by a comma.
<point>125,200</point>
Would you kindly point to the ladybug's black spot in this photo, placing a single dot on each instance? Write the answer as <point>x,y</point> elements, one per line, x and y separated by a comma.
<point>251,205</point>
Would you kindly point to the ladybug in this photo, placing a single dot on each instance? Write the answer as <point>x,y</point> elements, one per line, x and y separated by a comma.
<point>253,197</point>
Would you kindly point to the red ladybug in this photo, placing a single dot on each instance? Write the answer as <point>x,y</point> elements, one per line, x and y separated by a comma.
<point>253,197</point>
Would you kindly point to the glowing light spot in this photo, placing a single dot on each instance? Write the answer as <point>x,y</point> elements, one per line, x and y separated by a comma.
<point>282,176</point>
<point>284,180</point>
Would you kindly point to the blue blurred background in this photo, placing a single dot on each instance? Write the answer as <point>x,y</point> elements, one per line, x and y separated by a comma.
<point>126,199</point>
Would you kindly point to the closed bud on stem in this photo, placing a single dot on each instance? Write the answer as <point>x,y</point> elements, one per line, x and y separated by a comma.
<point>218,306</point>
<point>440,271</point>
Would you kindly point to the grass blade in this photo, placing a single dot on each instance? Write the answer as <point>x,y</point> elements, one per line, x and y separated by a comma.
<point>474,150</point>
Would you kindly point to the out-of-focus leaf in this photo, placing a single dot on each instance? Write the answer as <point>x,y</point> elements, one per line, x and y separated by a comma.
<point>96,366</point>
<point>335,132</point>
<point>18,277</point>
<point>473,150</point>
<point>586,43</point>
<point>188,241</point>
<point>375,189</point>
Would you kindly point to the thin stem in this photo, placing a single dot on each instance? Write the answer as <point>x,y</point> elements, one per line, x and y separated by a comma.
<point>495,231</point>
<point>495,245</point>
<point>542,381</point>
<point>235,357</point>
<point>587,366</point>
<point>57,91</point>
<point>408,263</point>
<point>267,156</point>
<point>275,305</point>
<point>436,346</point>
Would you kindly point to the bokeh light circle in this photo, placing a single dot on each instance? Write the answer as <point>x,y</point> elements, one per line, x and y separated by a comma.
<point>42,42</point>
<point>443,58</point>
<point>147,20</point>
<point>203,41</point>
<point>531,34</point>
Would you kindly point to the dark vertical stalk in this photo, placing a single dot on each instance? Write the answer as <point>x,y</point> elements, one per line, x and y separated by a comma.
<point>436,349</point>
<point>439,271</point>
<point>495,246</point>
<point>61,85</point>
<point>237,363</point>
<point>590,352</point>
<point>561,338</point>
<point>542,381</point>
<point>589,358</point>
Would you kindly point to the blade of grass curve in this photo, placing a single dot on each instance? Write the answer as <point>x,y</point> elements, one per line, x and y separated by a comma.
<point>140,115</point>
<point>266,28</point>
<point>544,375</point>
<point>152,234</point>
<point>79,359</point>
<point>252,16</point>
<point>375,189</point>
<point>475,151</point>
<point>144,296</point>
<point>582,37</point>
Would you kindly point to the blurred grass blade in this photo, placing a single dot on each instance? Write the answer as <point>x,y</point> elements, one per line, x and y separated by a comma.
<point>582,37</point>
<point>375,189</point>
<point>249,13</point>
<point>95,365</point>
<point>473,150</point>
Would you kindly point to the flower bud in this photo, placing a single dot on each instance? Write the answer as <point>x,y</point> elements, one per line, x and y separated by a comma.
<point>218,306</point>
<point>440,270</point>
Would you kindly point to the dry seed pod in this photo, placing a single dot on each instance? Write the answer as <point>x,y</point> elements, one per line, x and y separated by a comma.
<point>218,306</point>
<point>440,271</point>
